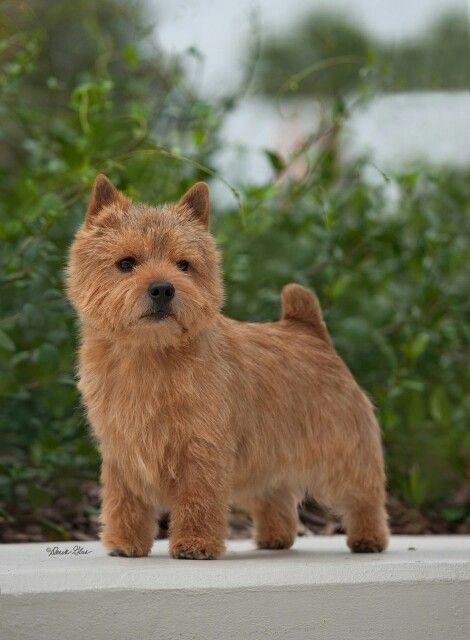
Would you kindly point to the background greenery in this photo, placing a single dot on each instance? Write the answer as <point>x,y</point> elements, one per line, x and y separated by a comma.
<point>327,54</point>
<point>84,90</point>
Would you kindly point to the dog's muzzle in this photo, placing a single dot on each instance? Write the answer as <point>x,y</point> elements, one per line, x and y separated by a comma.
<point>161,294</point>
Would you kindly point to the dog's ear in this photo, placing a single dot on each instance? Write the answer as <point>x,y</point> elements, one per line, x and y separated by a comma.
<point>197,201</point>
<point>103,194</point>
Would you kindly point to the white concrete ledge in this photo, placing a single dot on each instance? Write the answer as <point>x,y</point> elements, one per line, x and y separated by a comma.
<point>419,589</point>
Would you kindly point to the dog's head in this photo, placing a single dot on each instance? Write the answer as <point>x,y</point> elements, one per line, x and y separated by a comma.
<point>145,271</point>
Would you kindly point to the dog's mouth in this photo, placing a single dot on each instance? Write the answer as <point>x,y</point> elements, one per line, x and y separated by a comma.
<point>157,315</point>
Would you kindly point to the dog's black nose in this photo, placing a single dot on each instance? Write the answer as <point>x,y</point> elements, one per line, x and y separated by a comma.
<point>162,292</point>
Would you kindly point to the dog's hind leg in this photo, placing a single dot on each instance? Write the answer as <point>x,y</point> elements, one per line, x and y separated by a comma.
<point>359,498</point>
<point>362,497</point>
<point>275,516</point>
<point>366,527</point>
<point>348,474</point>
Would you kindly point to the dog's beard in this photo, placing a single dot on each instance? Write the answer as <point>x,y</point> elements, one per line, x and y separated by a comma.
<point>157,315</point>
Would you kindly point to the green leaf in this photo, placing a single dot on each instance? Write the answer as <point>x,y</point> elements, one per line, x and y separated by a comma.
<point>418,345</point>
<point>6,342</point>
<point>55,531</point>
<point>440,406</point>
<point>38,496</point>
<point>276,161</point>
<point>340,285</point>
<point>454,514</point>
<point>130,55</point>
<point>47,356</point>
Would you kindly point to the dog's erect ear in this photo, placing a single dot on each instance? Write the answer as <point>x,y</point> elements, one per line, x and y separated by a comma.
<point>103,194</point>
<point>197,200</point>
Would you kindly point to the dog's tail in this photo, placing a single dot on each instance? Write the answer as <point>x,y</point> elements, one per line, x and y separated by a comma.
<point>301,305</point>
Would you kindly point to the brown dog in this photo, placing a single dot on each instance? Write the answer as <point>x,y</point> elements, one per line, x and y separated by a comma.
<point>193,410</point>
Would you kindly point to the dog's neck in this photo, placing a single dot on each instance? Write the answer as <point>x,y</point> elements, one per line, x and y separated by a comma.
<point>150,344</point>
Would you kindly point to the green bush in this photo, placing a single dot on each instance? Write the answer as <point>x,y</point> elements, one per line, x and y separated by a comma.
<point>393,278</point>
<point>390,262</point>
<point>328,55</point>
<point>115,105</point>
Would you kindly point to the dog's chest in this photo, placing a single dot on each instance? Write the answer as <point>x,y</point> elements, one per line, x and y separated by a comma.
<point>121,383</point>
<point>138,407</point>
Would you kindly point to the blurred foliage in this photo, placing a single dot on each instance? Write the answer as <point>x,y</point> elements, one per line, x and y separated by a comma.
<point>391,265</point>
<point>77,97</point>
<point>328,55</point>
<point>389,262</point>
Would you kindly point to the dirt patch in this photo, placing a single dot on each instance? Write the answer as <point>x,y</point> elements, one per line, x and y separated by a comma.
<point>68,520</point>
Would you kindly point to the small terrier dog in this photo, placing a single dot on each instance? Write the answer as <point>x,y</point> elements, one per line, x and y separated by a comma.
<point>194,411</point>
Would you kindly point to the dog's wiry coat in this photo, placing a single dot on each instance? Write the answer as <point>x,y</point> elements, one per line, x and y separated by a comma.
<point>196,411</point>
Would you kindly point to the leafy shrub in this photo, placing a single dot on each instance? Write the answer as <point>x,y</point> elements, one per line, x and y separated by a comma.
<point>390,266</point>
<point>327,54</point>
<point>393,280</point>
<point>62,123</point>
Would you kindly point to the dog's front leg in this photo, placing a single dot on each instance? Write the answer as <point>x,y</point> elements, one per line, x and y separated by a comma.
<point>129,524</point>
<point>198,519</point>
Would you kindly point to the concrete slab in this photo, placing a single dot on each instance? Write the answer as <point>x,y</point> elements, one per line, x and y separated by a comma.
<point>419,589</point>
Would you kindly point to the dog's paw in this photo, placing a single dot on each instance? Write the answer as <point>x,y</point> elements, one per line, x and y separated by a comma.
<point>128,553</point>
<point>367,546</point>
<point>117,547</point>
<point>195,550</point>
<point>275,543</point>
<point>192,554</point>
<point>118,553</point>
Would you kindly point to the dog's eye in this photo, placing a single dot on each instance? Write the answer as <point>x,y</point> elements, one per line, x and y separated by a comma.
<point>126,264</point>
<point>183,265</point>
